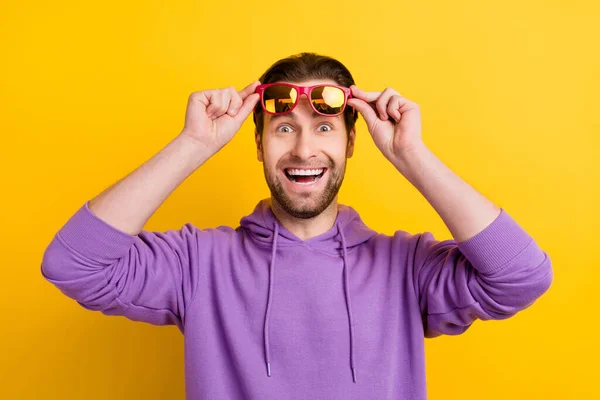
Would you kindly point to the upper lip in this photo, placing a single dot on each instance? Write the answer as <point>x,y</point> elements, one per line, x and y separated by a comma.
<point>304,167</point>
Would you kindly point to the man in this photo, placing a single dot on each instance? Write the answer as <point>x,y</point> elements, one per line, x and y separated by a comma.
<point>302,300</point>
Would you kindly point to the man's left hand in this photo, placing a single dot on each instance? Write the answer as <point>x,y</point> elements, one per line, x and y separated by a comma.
<point>394,122</point>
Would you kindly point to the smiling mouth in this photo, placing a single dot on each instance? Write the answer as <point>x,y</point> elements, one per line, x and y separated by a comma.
<point>304,176</point>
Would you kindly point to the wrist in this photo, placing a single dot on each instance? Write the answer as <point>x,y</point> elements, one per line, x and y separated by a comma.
<point>411,158</point>
<point>195,150</point>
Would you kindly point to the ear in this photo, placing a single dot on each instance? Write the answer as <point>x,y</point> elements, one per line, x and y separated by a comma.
<point>257,139</point>
<point>351,139</point>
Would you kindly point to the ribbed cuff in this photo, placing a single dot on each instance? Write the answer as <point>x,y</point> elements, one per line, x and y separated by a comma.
<point>495,246</point>
<point>92,237</point>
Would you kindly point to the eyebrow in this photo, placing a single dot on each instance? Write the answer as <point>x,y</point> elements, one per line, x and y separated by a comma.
<point>293,116</point>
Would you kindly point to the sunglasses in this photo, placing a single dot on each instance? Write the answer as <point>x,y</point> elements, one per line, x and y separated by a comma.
<point>281,98</point>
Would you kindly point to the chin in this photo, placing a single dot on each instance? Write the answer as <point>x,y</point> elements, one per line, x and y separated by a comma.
<point>304,210</point>
<point>304,205</point>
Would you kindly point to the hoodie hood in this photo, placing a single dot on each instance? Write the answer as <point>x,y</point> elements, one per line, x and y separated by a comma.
<point>348,231</point>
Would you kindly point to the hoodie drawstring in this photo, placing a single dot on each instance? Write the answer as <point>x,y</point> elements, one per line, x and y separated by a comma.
<point>270,298</point>
<point>349,308</point>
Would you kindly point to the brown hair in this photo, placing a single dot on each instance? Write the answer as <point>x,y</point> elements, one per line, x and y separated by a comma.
<point>304,66</point>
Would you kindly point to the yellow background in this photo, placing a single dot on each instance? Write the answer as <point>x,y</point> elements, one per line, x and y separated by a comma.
<point>509,92</point>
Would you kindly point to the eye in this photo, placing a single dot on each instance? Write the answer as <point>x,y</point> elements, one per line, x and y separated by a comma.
<point>284,129</point>
<point>324,126</point>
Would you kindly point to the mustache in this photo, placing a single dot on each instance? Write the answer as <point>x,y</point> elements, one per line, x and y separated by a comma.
<point>327,163</point>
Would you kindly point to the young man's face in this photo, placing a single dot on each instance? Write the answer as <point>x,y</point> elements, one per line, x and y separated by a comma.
<point>299,143</point>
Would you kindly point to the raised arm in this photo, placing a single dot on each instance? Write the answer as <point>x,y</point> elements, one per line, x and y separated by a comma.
<point>493,268</point>
<point>212,119</point>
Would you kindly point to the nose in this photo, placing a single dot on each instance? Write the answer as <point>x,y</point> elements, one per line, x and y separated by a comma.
<point>305,145</point>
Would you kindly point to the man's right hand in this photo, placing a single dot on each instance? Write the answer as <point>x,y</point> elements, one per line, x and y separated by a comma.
<point>213,117</point>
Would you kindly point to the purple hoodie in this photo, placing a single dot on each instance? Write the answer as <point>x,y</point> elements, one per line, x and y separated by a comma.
<point>266,315</point>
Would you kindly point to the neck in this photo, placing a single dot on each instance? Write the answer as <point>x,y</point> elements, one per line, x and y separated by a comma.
<point>306,228</point>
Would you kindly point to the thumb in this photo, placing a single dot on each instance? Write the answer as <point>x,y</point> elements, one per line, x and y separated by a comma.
<point>247,107</point>
<point>248,90</point>
<point>364,108</point>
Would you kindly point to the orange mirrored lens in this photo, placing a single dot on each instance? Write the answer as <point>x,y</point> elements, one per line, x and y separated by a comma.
<point>278,99</point>
<point>328,99</point>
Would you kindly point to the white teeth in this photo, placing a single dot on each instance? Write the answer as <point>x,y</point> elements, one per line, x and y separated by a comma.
<point>304,171</point>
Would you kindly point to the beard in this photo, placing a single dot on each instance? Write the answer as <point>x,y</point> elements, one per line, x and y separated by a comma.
<point>306,205</point>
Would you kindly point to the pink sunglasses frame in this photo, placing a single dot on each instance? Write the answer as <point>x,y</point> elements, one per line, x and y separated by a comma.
<point>302,90</point>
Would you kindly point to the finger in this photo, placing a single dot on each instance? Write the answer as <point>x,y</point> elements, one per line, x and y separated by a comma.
<point>406,105</point>
<point>213,98</point>
<point>226,100</point>
<point>248,90</point>
<point>365,96</point>
<point>235,103</point>
<point>220,104</point>
<point>393,107</point>
<point>382,102</point>
<point>247,107</point>
<point>202,97</point>
<point>365,110</point>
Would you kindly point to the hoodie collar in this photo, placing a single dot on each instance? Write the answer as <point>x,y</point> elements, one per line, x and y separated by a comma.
<point>261,225</point>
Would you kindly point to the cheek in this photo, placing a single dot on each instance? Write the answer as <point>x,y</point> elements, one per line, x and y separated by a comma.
<point>336,150</point>
<point>272,153</point>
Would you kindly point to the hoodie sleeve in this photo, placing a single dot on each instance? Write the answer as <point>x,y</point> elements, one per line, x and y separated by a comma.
<point>149,277</point>
<point>492,275</point>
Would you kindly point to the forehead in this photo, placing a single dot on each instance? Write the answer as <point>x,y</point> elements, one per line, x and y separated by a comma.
<point>312,82</point>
